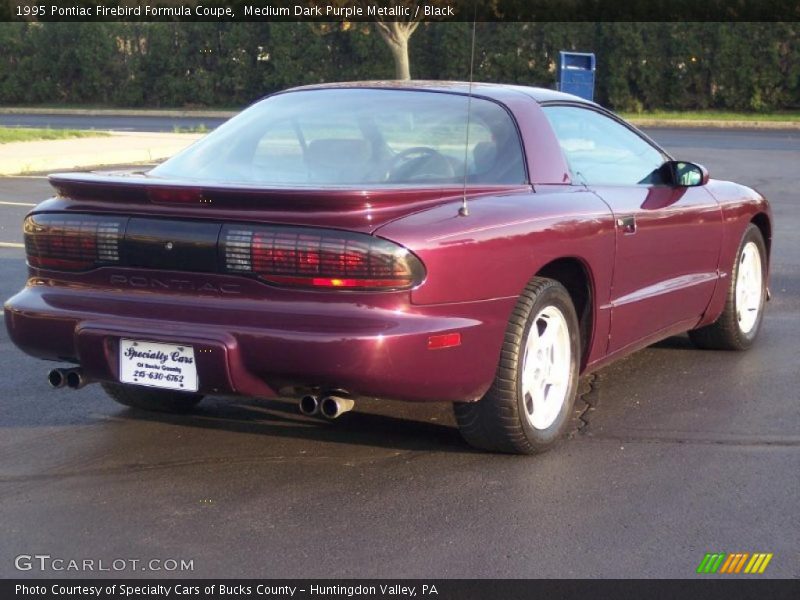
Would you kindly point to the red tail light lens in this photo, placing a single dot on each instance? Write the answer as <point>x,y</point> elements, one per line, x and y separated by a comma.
<point>319,258</point>
<point>72,243</point>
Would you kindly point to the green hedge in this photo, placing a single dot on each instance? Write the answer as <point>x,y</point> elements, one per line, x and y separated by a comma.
<point>641,66</point>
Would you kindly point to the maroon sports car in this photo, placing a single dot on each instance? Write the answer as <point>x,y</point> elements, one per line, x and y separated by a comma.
<point>481,245</point>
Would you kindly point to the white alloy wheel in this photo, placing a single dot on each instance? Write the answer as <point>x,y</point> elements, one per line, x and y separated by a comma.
<point>749,288</point>
<point>546,366</point>
<point>738,324</point>
<point>528,407</point>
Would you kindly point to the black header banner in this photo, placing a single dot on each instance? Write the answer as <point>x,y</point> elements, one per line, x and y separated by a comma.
<point>400,10</point>
<point>441,589</point>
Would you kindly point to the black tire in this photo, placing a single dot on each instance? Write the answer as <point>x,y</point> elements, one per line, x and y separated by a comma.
<point>150,399</point>
<point>725,333</point>
<point>499,421</point>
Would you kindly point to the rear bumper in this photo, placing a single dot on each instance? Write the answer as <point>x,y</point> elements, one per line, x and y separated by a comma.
<point>256,347</point>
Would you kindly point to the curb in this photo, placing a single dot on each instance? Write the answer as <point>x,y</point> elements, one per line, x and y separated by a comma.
<point>114,112</point>
<point>227,114</point>
<point>713,124</point>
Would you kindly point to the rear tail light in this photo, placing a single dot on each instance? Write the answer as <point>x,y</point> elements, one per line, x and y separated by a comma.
<point>282,255</point>
<point>72,243</point>
<point>319,258</point>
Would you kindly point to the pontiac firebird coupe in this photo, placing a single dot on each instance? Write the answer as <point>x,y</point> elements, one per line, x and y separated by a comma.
<point>481,245</point>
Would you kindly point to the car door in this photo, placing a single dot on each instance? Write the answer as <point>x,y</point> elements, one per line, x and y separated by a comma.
<point>668,236</point>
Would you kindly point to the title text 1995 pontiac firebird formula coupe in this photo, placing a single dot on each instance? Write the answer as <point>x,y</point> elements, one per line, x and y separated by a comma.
<point>479,244</point>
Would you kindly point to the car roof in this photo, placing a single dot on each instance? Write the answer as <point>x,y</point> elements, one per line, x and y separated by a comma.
<point>496,91</point>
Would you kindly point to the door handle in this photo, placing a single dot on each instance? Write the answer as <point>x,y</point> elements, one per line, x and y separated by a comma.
<point>627,224</point>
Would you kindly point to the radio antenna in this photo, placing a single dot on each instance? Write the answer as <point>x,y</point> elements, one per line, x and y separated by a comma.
<point>464,211</point>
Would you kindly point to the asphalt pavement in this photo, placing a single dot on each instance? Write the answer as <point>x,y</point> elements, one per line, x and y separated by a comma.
<point>683,452</point>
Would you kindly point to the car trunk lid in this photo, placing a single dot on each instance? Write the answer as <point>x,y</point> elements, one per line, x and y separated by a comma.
<point>357,209</point>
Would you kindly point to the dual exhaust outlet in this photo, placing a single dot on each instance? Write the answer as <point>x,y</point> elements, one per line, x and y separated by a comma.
<point>330,407</point>
<point>71,378</point>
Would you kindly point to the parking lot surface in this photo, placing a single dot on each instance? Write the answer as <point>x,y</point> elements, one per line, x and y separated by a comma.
<point>681,452</point>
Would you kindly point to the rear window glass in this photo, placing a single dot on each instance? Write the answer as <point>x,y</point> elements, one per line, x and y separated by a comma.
<point>354,137</point>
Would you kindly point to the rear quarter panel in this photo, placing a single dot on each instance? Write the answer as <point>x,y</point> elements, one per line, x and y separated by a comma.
<point>504,241</point>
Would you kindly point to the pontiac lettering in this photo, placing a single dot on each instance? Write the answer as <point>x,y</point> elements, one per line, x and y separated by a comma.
<point>182,285</point>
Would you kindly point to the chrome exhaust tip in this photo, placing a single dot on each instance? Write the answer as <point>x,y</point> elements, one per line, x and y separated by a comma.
<point>309,405</point>
<point>333,407</point>
<point>56,378</point>
<point>75,379</point>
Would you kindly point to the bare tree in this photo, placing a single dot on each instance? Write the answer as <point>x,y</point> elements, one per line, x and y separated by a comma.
<point>394,29</point>
<point>396,35</point>
<point>396,32</point>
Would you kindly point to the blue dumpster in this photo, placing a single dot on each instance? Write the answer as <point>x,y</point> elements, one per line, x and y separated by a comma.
<point>576,73</point>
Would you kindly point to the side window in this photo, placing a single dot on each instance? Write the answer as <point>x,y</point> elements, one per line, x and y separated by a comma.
<point>601,151</point>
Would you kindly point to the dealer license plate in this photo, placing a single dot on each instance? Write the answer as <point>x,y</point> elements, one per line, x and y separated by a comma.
<point>165,366</point>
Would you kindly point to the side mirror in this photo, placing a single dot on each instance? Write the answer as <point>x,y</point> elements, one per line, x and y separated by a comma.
<point>686,174</point>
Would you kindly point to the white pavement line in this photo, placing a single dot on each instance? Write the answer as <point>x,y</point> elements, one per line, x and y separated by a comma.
<point>5,203</point>
<point>11,245</point>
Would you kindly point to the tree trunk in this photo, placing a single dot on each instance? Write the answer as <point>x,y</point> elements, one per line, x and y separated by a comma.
<point>399,49</point>
<point>396,37</point>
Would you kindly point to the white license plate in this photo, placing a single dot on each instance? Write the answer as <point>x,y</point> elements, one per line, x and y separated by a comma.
<point>167,366</point>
